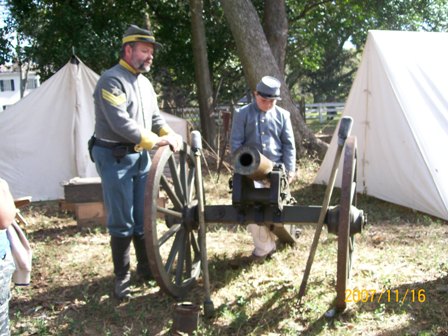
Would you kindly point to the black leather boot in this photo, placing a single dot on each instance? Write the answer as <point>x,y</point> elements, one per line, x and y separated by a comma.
<point>143,270</point>
<point>121,259</point>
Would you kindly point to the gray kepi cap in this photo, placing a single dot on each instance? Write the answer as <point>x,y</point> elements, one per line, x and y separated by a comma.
<point>137,34</point>
<point>269,88</point>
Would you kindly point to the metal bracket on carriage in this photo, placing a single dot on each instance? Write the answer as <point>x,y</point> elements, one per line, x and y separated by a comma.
<point>251,168</point>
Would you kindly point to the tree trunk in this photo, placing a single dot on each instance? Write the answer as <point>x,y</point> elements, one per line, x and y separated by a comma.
<point>276,29</point>
<point>258,60</point>
<point>23,79</point>
<point>202,72</point>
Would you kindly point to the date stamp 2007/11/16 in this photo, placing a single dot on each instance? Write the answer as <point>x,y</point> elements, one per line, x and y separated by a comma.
<point>385,295</point>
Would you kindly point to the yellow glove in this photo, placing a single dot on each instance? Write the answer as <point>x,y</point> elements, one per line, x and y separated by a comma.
<point>166,130</point>
<point>167,137</point>
<point>147,141</point>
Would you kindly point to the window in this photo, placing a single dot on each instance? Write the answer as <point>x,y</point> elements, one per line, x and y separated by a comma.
<point>7,85</point>
<point>32,84</point>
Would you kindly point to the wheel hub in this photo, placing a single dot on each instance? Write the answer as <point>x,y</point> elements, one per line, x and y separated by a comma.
<point>190,217</point>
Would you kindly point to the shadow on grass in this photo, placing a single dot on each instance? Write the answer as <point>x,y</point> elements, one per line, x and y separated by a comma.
<point>223,269</point>
<point>90,309</point>
<point>426,303</point>
<point>261,322</point>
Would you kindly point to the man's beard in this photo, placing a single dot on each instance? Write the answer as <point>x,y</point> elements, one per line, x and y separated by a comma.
<point>143,68</point>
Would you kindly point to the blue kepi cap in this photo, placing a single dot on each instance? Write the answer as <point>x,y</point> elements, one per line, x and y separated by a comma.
<point>269,88</point>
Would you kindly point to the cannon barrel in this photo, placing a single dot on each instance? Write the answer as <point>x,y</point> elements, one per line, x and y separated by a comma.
<point>248,161</point>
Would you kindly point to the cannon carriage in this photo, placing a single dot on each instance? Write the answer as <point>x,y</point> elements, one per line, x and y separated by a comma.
<point>175,229</point>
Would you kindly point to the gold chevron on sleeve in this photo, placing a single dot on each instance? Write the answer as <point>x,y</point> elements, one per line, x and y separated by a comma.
<point>113,99</point>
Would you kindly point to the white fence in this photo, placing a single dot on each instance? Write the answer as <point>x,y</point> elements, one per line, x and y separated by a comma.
<point>323,111</point>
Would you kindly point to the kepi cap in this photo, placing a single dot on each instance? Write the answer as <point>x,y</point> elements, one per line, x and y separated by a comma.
<point>137,34</point>
<point>269,88</point>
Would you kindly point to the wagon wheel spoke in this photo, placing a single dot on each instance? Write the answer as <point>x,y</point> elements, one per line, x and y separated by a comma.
<point>170,192</point>
<point>195,244</point>
<point>182,264</point>
<point>169,264</point>
<point>167,235</point>
<point>346,241</point>
<point>176,177</point>
<point>170,228</point>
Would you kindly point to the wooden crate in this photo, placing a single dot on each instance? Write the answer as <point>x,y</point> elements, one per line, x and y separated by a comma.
<point>94,213</point>
<point>66,206</point>
<point>83,190</point>
<point>90,214</point>
<point>84,196</point>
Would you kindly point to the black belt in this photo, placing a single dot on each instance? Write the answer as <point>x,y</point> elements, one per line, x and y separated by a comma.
<point>130,147</point>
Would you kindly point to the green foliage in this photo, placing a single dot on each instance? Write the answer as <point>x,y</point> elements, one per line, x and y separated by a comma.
<point>91,29</point>
<point>5,47</point>
<point>174,65</point>
<point>318,64</point>
<point>321,64</point>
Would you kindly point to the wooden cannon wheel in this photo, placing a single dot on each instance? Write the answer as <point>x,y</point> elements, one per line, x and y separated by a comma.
<point>171,231</point>
<point>345,239</point>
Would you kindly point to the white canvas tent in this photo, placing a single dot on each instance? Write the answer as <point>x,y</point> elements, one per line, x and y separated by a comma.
<point>43,138</point>
<point>399,103</point>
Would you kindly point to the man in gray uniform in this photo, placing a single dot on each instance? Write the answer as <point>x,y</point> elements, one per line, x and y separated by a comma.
<point>128,125</point>
<point>267,127</point>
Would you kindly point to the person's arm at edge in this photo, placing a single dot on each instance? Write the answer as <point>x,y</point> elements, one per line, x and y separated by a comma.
<point>7,207</point>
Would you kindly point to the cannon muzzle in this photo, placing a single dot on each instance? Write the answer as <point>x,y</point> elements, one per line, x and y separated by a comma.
<point>248,161</point>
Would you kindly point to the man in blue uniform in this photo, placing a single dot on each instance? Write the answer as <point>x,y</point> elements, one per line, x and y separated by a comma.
<point>128,125</point>
<point>267,127</point>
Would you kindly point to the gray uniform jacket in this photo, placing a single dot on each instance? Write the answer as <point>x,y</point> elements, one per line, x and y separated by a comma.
<point>125,102</point>
<point>270,132</point>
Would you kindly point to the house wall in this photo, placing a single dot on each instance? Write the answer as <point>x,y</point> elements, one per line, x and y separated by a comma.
<point>10,87</point>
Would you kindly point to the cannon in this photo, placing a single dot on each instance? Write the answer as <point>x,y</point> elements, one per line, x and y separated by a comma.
<point>175,226</point>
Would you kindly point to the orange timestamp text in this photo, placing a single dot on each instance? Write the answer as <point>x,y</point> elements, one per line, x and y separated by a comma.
<point>385,295</point>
